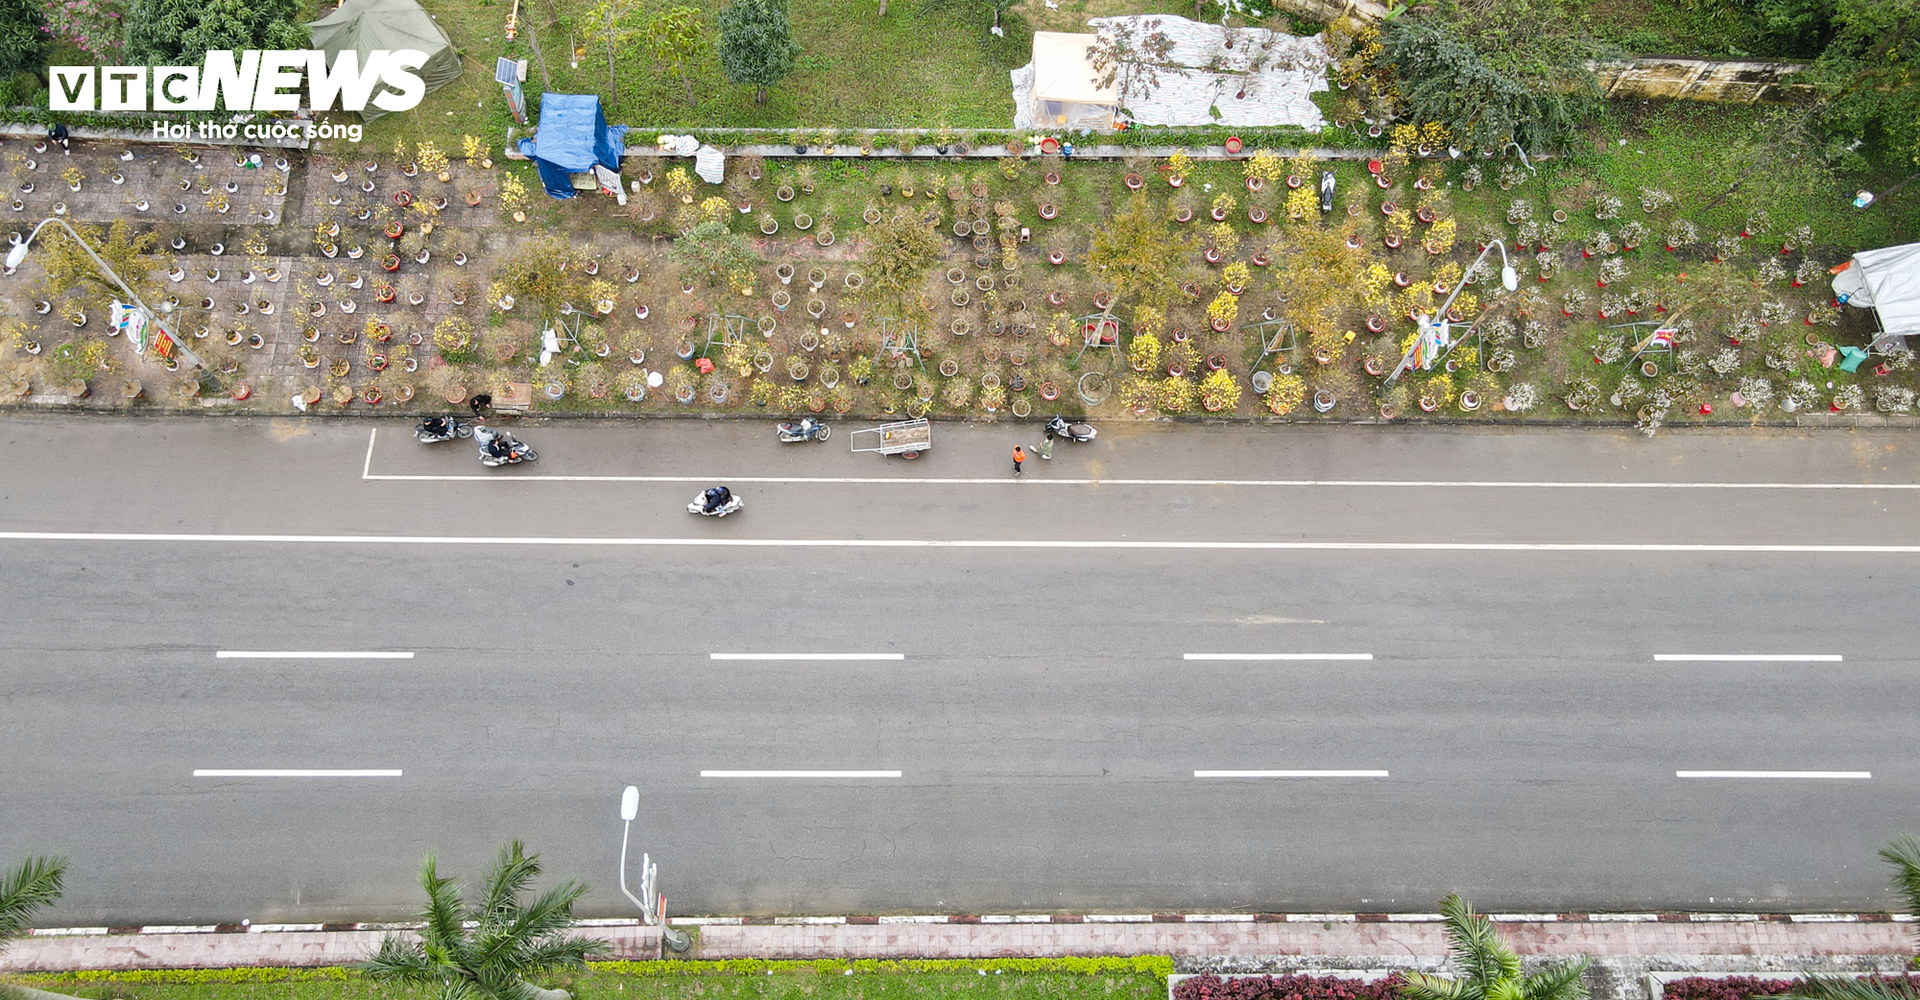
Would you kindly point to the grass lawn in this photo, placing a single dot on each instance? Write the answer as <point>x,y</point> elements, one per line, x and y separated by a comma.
<point>1124,979</point>
<point>910,68</point>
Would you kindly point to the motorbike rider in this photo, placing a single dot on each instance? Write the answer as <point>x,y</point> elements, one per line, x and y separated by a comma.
<point>717,498</point>
<point>437,426</point>
<point>501,445</point>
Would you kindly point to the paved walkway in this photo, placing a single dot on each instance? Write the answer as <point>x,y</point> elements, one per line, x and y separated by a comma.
<point>1675,942</point>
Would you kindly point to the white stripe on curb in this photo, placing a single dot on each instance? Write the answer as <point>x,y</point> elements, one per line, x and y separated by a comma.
<point>1746,658</point>
<point>219,772</point>
<point>255,654</point>
<point>1290,774</point>
<point>1277,656</point>
<point>806,656</point>
<point>1819,775</point>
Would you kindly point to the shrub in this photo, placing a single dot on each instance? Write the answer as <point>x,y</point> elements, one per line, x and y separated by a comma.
<point>1294,987</point>
<point>1731,988</point>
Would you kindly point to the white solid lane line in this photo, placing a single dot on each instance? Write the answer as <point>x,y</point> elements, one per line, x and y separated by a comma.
<point>800,774</point>
<point>806,656</point>
<point>1842,775</point>
<point>367,469</point>
<point>344,654</point>
<point>1747,657</point>
<point>294,772</point>
<point>939,543</point>
<point>1278,656</point>
<point>1290,774</point>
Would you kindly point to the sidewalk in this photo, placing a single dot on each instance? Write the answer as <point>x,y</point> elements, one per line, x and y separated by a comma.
<point>1633,944</point>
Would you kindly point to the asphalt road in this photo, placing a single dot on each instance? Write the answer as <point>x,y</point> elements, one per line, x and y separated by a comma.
<point>1044,717</point>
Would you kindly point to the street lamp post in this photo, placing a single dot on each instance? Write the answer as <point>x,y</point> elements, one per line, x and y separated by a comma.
<point>652,906</point>
<point>1434,326</point>
<point>19,253</point>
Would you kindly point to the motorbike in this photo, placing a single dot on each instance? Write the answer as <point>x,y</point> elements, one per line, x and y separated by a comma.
<point>453,428</point>
<point>804,429</point>
<point>1080,433</point>
<point>498,448</point>
<point>1326,191</point>
<point>716,502</point>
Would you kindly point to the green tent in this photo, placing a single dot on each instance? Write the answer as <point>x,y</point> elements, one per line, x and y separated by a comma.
<point>367,25</point>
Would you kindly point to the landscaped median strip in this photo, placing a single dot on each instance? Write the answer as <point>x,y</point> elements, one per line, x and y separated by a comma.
<point>246,927</point>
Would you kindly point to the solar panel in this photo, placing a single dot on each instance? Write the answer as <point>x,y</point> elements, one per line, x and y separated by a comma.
<point>506,70</point>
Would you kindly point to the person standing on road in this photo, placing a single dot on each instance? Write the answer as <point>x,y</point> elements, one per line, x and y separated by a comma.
<point>1019,455</point>
<point>1046,448</point>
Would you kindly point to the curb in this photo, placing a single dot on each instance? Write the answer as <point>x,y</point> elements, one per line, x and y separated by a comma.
<point>249,927</point>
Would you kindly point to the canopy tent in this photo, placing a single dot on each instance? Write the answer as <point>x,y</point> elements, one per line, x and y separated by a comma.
<point>364,26</point>
<point>572,138</point>
<point>1066,91</point>
<point>1888,282</point>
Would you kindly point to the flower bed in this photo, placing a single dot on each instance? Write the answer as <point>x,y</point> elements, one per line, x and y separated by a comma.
<point>1288,987</point>
<point>1742,987</point>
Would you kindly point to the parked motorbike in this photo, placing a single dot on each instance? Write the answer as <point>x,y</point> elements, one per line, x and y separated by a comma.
<point>716,502</point>
<point>804,429</point>
<point>434,430</point>
<point>1081,433</point>
<point>498,448</point>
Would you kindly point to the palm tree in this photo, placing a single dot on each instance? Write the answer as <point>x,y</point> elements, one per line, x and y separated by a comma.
<point>1904,855</point>
<point>38,882</point>
<point>1489,968</point>
<point>510,940</point>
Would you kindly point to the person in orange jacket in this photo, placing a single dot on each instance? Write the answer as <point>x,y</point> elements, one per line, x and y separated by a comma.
<point>1019,455</point>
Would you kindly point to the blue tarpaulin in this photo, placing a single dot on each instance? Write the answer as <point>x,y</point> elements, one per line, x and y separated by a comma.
<point>573,136</point>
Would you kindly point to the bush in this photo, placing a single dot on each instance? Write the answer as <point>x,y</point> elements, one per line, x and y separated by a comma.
<point>1294,987</point>
<point>1746,987</point>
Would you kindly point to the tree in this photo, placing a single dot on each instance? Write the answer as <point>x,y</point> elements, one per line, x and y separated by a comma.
<point>23,38</point>
<point>1129,57</point>
<point>1327,276</point>
<point>1868,77</point>
<point>38,882</point>
<point>542,272</point>
<point>70,269</point>
<point>1904,855</point>
<point>674,37</point>
<point>1136,252</point>
<point>756,44</point>
<point>612,23</point>
<point>902,249</point>
<point>1489,969</point>
<point>1495,70</point>
<point>710,248</point>
<point>180,32</point>
<point>510,941</point>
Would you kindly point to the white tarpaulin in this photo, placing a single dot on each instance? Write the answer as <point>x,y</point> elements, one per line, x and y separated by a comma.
<point>1263,78</point>
<point>1888,281</point>
<point>710,164</point>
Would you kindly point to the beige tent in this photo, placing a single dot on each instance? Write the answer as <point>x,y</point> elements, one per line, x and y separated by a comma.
<point>1066,89</point>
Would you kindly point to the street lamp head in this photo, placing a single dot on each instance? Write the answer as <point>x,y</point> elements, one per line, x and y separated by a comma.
<point>630,803</point>
<point>1509,278</point>
<point>16,255</point>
